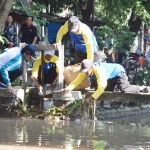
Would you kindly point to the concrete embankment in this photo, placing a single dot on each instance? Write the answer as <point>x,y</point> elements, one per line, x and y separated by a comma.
<point>108,112</point>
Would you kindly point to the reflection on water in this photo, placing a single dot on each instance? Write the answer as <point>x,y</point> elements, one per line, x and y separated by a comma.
<point>143,119</point>
<point>70,135</point>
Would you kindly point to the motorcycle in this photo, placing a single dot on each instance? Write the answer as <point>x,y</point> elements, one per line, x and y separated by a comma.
<point>132,64</point>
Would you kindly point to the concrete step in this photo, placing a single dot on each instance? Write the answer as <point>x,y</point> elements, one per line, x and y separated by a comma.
<point>121,97</point>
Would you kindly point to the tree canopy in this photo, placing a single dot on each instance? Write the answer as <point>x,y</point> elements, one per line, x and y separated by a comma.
<point>116,14</point>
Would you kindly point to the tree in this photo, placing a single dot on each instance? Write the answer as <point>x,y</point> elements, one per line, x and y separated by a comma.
<point>5,6</point>
<point>82,8</point>
<point>115,13</point>
<point>119,13</point>
<point>124,16</point>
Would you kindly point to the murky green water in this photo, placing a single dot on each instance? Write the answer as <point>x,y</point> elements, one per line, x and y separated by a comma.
<point>34,134</point>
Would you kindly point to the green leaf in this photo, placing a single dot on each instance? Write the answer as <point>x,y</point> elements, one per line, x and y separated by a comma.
<point>100,144</point>
<point>111,149</point>
<point>1,39</point>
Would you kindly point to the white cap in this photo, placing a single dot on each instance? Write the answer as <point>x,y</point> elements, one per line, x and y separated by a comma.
<point>49,52</point>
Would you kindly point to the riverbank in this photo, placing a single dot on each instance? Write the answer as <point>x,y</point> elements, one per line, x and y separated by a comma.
<point>61,106</point>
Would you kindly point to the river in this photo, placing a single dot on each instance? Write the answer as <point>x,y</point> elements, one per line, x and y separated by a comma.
<point>34,134</point>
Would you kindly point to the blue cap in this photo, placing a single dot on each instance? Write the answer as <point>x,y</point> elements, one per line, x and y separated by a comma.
<point>30,49</point>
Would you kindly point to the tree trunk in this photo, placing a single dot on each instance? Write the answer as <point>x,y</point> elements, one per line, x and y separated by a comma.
<point>135,24</point>
<point>5,6</point>
<point>88,11</point>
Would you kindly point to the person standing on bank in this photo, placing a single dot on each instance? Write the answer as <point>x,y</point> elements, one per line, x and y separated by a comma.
<point>10,33</point>
<point>28,35</point>
<point>101,73</point>
<point>86,46</point>
<point>50,71</point>
<point>11,62</point>
<point>28,32</point>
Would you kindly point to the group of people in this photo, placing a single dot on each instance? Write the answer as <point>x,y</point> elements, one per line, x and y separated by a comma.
<point>104,76</point>
<point>13,56</point>
<point>27,33</point>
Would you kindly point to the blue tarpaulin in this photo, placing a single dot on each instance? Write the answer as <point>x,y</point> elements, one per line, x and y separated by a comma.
<point>53,28</point>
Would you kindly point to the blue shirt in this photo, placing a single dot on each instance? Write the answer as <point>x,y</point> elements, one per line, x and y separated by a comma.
<point>80,41</point>
<point>84,39</point>
<point>112,70</point>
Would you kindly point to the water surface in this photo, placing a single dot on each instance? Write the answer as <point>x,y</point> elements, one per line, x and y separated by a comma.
<point>34,134</point>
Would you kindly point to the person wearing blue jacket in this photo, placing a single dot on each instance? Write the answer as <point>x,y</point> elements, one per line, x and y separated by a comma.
<point>11,64</point>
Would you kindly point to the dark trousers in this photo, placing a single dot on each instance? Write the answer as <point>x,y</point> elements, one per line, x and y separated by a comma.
<point>121,56</point>
<point>119,83</point>
<point>80,56</point>
<point>123,84</point>
<point>13,75</point>
<point>49,77</point>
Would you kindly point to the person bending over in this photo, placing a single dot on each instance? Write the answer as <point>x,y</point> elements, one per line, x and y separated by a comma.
<point>50,71</point>
<point>10,64</point>
<point>86,46</point>
<point>100,74</point>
